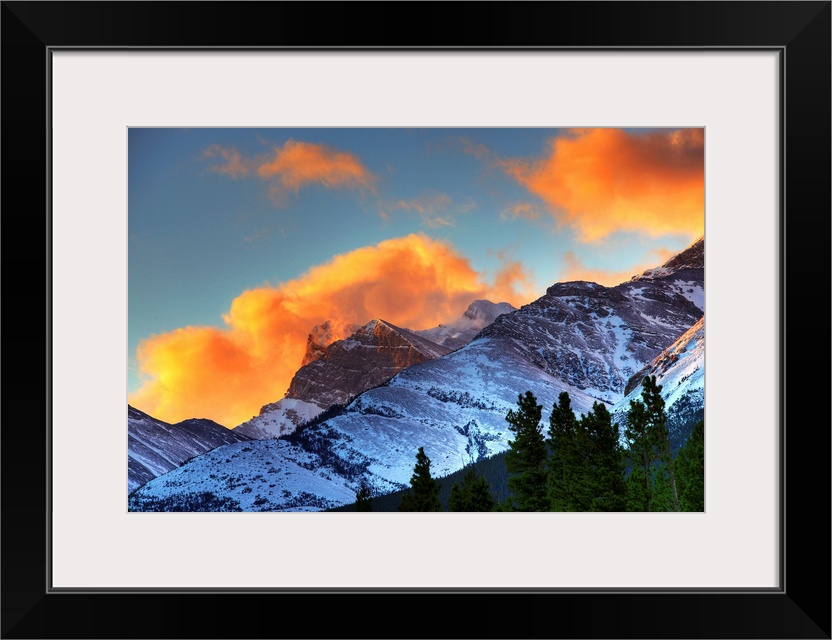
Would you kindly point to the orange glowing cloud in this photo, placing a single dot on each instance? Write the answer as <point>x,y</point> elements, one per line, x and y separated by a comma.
<point>600,181</point>
<point>293,166</point>
<point>228,373</point>
<point>298,164</point>
<point>575,270</point>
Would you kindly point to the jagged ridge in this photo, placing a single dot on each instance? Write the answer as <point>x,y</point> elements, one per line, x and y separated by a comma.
<point>155,447</point>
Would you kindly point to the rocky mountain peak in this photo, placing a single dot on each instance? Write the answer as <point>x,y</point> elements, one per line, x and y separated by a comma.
<point>691,258</point>
<point>582,289</point>
<point>322,336</point>
<point>478,315</point>
<point>370,356</point>
<point>486,311</point>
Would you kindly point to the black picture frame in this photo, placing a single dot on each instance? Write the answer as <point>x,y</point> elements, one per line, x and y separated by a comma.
<point>799,31</point>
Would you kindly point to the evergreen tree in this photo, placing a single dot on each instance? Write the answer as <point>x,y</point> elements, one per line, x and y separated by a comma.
<point>662,491</point>
<point>472,494</point>
<point>602,476</point>
<point>563,461</point>
<point>690,469</point>
<point>657,425</point>
<point>648,441</point>
<point>363,499</point>
<point>424,493</point>
<point>640,452</point>
<point>526,457</point>
<point>638,491</point>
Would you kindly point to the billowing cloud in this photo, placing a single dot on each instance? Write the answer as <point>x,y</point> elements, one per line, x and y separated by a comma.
<point>228,373</point>
<point>600,181</point>
<point>513,283</point>
<point>575,269</point>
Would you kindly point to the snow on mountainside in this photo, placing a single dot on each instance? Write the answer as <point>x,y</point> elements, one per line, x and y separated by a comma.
<point>680,370</point>
<point>454,406</point>
<point>580,337</point>
<point>593,337</point>
<point>258,475</point>
<point>370,356</point>
<point>457,334</point>
<point>155,447</point>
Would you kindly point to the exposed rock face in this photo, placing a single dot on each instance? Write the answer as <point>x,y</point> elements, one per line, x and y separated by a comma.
<point>344,369</point>
<point>155,447</point>
<point>322,336</point>
<point>594,337</point>
<point>369,357</point>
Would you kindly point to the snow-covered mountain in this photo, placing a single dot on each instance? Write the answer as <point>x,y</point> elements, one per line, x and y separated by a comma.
<point>258,475</point>
<point>680,370</point>
<point>580,337</point>
<point>478,315</point>
<point>344,369</point>
<point>335,372</point>
<point>155,447</point>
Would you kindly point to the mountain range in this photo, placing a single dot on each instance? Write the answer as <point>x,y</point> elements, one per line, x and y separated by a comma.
<point>592,341</point>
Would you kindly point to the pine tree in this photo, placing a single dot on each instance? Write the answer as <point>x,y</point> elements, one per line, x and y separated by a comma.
<point>657,425</point>
<point>640,452</point>
<point>563,459</point>
<point>363,499</point>
<point>424,493</point>
<point>526,457</point>
<point>638,491</point>
<point>472,494</point>
<point>649,447</point>
<point>690,469</point>
<point>603,468</point>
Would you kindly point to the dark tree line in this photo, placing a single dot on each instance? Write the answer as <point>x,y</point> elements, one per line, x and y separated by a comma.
<point>581,465</point>
<point>578,464</point>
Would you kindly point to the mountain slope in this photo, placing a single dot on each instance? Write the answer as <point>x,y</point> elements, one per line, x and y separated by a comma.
<point>680,370</point>
<point>595,338</point>
<point>155,447</point>
<point>345,368</point>
<point>258,475</point>
<point>334,372</point>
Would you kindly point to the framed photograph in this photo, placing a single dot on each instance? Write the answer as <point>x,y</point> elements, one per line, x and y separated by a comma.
<point>120,116</point>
